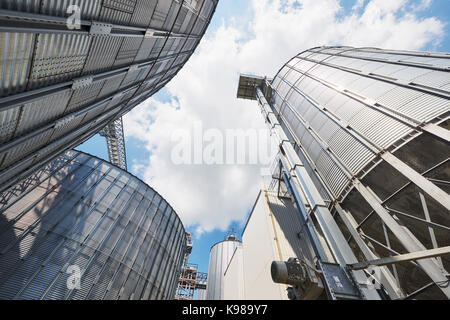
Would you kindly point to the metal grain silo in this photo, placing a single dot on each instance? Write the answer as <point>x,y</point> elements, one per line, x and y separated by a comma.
<point>70,68</point>
<point>364,150</point>
<point>82,214</point>
<point>219,257</point>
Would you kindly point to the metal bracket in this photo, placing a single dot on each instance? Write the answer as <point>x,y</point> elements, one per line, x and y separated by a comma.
<point>100,29</point>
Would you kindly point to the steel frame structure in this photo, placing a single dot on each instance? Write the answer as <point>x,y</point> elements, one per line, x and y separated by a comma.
<point>329,215</point>
<point>124,275</point>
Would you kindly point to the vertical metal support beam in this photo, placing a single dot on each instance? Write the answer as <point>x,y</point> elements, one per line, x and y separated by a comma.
<point>430,229</point>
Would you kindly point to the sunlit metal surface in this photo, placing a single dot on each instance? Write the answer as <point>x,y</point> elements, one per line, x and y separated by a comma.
<point>115,143</point>
<point>61,83</point>
<point>219,257</point>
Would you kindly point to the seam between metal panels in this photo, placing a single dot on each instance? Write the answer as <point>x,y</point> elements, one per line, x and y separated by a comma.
<point>323,145</point>
<point>150,246</point>
<point>97,250</point>
<point>35,186</point>
<point>402,53</point>
<point>393,114</point>
<point>160,245</point>
<point>36,222</point>
<point>192,28</point>
<point>164,44</point>
<point>411,85</point>
<point>8,101</point>
<point>120,260</point>
<point>82,244</point>
<point>84,110</point>
<point>70,134</point>
<point>163,288</point>
<point>132,267</point>
<point>386,61</point>
<point>109,256</point>
<point>47,24</point>
<point>170,281</point>
<point>185,41</point>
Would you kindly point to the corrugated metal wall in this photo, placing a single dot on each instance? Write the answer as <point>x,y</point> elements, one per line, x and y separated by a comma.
<point>371,127</point>
<point>81,211</point>
<point>51,74</point>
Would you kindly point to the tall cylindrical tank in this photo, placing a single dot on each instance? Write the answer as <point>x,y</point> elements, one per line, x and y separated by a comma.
<point>219,257</point>
<point>82,228</point>
<point>371,127</point>
<point>201,294</point>
<point>61,82</point>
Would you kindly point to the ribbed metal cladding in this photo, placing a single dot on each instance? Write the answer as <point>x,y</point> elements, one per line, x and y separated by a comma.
<point>82,211</point>
<point>324,91</point>
<point>54,77</point>
<point>219,257</point>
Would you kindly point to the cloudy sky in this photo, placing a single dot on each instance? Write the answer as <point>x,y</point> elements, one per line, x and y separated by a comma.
<point>257,37</point>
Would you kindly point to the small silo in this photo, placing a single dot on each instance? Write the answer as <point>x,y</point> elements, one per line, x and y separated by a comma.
<point>364,147</point>
<point>219,257</point>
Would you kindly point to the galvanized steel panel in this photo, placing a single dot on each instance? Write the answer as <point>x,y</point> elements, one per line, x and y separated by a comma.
<point>30,6</point>
<point>102,54</point>
<point>117,11</point>
<point>89,9</point>
<point>26,147</point>
<point>338,111</point>
<point>8,123</point>
<point>141,16</point>
<point>84,96</point>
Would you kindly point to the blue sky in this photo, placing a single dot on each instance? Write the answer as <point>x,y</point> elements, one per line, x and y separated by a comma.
<point>253,36</point>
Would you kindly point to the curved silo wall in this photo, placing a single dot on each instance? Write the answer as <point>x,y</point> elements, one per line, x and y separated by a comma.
<point>371,126</point>
<point>219,257</point>
<point>60,84</point>
<point>83,214</point>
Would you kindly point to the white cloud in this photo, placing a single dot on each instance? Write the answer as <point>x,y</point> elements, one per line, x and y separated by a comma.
<point>212,196</point>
